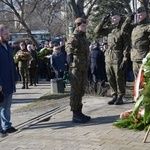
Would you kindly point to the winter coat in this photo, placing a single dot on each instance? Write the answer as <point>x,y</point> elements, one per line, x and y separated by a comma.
<point>8,72</point>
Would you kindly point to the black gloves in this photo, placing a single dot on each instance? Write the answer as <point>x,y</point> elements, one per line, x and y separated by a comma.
<point>106,18</point>
<point>122,65</point>
<point>131,16</point>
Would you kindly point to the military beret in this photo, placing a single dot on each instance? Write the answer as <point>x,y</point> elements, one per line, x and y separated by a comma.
<point>113,13</point>
<point>141,9</point>
<point>80,20</point>
<point>1,97</point>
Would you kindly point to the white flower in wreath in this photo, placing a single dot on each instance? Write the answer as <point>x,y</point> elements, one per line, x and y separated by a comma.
<point>144,60</point>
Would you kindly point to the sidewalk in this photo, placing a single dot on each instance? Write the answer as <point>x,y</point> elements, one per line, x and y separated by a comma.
<point>22,97</point>
<point>59,133</point>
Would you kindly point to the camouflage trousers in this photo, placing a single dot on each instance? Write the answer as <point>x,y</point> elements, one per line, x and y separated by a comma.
<point>136,67</point>
<point>23,71</point>
<point>116,79</point>
<point>78,78</point>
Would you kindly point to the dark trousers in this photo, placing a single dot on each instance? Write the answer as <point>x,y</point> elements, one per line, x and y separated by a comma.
<point>32,75</point>
<point>59,74</point>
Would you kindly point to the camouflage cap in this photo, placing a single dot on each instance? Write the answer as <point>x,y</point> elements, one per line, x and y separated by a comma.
<point>113,13</point>
<point>80,20</point>
<point>141,9</point>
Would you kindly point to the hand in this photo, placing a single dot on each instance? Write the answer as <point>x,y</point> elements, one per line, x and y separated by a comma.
<point>122,65</point>
<point>56,73</point>
<point>105,18</point>
<point>131,16</point>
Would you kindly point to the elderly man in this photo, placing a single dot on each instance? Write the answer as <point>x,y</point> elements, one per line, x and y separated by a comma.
<point>116,55</point>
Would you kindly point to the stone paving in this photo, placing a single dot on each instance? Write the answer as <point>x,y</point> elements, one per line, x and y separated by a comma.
<point>59,133</point>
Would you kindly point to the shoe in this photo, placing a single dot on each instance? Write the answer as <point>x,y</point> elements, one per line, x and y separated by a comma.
<point>3,134</point>
<point>119,101</point>
<point>80,118</point>
<point>23,87</point>
<point>10,130</point>
<point>30,84</point>
<point>113,100</point>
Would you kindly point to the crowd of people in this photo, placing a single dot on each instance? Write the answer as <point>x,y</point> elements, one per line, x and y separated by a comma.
<point>96,62</point>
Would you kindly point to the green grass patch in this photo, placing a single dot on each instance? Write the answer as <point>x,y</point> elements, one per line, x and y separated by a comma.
<point>47,99</point>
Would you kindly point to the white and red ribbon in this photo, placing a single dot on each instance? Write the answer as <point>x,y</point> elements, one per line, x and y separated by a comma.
<point>138,81</point>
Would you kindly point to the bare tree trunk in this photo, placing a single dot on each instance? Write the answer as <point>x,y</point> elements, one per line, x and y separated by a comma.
<point>29,33</point>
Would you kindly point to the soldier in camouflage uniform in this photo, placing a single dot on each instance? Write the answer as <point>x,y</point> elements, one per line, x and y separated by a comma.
<point>23,65</point>
<point>77,48</point>
<point>140,37</point>
<point>115,56</point>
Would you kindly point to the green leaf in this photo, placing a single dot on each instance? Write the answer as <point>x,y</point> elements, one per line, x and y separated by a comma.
<point>138,104</point>
<point>146,114</point>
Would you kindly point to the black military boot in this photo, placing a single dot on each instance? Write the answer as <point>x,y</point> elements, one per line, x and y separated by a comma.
<point>85,116</point>
<point>23,87</point>
<point>119,101</point>
<point>114,99</point>
<point>79,117</point>
<point>26,87</point>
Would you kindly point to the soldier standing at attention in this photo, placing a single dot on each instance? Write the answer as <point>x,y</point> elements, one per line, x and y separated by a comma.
<point>115,56</point>
<point>140,37</point>
<point>77,48</point>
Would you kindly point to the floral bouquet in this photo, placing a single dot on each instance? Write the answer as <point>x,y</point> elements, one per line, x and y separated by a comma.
<point>22,56</point>
<point>138,118</point>
<point>44,53</point>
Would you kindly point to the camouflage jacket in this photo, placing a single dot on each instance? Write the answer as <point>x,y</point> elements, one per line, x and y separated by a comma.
<point>140,38</point>
<point>23,57</point>
<point>118,42</point>
<point>78,45</point>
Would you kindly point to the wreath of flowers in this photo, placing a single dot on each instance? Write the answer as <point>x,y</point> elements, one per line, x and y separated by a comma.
<point>22,56</point>
<point>43,54</point>
<point>138,118</point>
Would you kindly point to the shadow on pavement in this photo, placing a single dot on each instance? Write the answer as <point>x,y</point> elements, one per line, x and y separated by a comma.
<point>23,100</point>
<point>69,124</point>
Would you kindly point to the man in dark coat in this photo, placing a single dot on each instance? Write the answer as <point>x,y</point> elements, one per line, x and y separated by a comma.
<point>97,63</point>
<point>33,63</point>
<point>8,78</point>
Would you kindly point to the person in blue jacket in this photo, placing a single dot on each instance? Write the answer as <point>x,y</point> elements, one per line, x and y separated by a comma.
<point>8,79</point>
<point>58,62</point>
